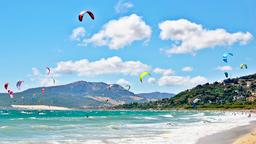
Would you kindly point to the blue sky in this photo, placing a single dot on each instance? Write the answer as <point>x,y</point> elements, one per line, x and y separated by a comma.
<point>37,34</point>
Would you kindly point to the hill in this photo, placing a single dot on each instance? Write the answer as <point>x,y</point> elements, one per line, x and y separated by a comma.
<point>231,93</point>
<point>79,94</point>
<point>155,95</point>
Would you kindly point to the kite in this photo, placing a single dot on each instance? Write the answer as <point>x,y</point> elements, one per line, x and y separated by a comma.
<point>18,84</point>
<point>11,93</point>
<point>128,87</point>
<point>48,70</point>
<point>6,86</point>
<point>226,74</point>
<point>81,15</point>
<point>243,66</point>
<point>225,56</point>
<point>110,86</point>
<point>43,91</point>
<point>142,75</point>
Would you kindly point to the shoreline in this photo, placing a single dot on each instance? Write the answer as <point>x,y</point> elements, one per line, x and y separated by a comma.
<point>190,128</point>
<point>229,136</point>
<point>39,107</point>
<point>249,138</point>
<point>49,107</point>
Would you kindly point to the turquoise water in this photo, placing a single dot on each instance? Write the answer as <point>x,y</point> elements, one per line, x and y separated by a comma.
<point>99,126</point>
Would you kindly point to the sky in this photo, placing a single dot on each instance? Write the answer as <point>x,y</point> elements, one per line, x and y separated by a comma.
<point>180,42</point>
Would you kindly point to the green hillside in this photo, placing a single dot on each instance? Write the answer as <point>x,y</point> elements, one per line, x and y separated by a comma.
<point>231,93</point>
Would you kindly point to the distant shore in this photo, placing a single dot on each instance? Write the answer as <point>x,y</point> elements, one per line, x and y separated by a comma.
<point>239,135</point>
<point>49,107</point>
<point>39,107</point>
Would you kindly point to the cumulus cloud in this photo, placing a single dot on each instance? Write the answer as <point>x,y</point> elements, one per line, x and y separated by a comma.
<point>123,6</point>
<point>111,65</point>
<point>119,33</point>
<point>164,71</point>
<point>35,71</point>
<point>187,69</point>
<point>190,37</point>
<point>47,81</point>
<point>123,82</point>
<point>78,34</point>
<point>224,68</point>
<point>42,79</point>
<point>179,80</point>
<point>152,80</point>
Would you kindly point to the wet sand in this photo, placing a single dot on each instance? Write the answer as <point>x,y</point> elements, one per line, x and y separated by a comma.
<point>229,136</point>
<point>249,138</point>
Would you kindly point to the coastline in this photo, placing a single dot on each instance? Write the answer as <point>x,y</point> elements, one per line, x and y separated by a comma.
<point>159,128</point>
<point>231,136</point>
<point>39,107</point>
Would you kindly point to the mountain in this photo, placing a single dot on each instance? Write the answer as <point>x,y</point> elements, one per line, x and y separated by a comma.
<point>231,93</point>
<point>79,94</point>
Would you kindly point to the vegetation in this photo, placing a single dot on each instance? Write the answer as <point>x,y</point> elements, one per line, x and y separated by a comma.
<point>229,94</point>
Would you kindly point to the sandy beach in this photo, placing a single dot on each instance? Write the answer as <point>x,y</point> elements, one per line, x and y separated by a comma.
<point>239,135</point>
<point>249,138</point>
<point>39,107</point>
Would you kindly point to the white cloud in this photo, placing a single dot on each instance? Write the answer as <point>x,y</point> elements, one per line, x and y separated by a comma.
<point>47,81</point>
<point>164,71</point>
<point>123,82</point>
<point>190,37</point>
<point>119,33</point>
<point>152,80</point>
<point>123,6</point>
<point>179,80</point>
<point>187,69</point>
<point>224,68</point>
<point>78,34</point>
<point>42,79</point>
<point>111,65</point>
<point>35,71</point>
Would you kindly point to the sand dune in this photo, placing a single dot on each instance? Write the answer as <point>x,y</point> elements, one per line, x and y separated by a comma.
<point>104,99</point>
<point>39,107</point>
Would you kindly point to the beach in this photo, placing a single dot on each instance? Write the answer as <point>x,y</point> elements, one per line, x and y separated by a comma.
<point>39,107</point>
<point>237,135</point>
<point>249,138</point>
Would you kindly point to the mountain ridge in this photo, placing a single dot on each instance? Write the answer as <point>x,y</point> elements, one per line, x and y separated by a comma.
<point>79,94</point>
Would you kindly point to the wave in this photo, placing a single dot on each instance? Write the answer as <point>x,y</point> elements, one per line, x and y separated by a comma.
<point>147,125</point>
<point>115,127</point>
<point>41,113</point>
<point>167,116</point>
<point>26,112</point>
<point>4,113</point>
<point>33,118</point>
<point>146,118</point>
<point>198,115</point>
<point>55,127</point>
<point>96,117</point>
<point>183,128</point>
<point>4,127</point>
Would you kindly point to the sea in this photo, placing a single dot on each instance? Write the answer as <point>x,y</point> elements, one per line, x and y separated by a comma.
<point>114,126</point>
